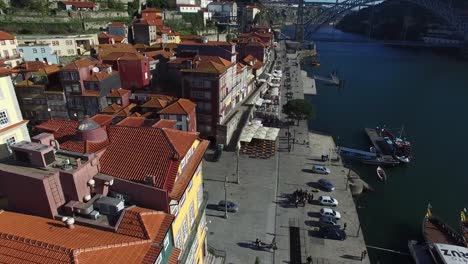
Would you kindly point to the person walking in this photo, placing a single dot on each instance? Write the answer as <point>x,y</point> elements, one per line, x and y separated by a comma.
<point>309,260</point>
<point>344,227</point>
<point>363,255</point>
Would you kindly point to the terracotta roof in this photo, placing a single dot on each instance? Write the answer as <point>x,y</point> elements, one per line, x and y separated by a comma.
<point>79,4</point>
<point>209,64</point>
<point>155,102</point>
<point>257,65</point>
<point>126,111</point>
<point>99,76</point>
<point>90,93</point>
<point>105,49</point>
<point>112,109</point>
<point>184,179</point>
<point>62,129</point>
<point>118,92</point>
<point>133,121</point>
<point>163,53</point>
<point>179,107</point>
<point>155,153</point>
<point>31,66</point>
<point>249,58</point>
<point>209,43</point>
<point>65,132</point>
<point>6,36</point>
<point>81,63</point>
<point>31,239</point>
<point>116,24</point>
<point>112,56</point>
<point>165,123</point>
<point>103,120</point>
<point>174,257</point>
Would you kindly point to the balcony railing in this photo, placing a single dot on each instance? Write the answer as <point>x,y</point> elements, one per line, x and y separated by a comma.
<point>194,229</point>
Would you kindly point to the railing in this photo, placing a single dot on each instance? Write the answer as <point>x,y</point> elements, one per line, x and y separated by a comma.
<point>194,229</point>
<point>217,253</point>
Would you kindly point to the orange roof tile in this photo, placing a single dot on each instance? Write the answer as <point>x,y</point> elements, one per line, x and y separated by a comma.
<point>209,64</point>
<point>155,102</point>
<point>151,10</point>
<point>81,63</point>
<point>62,129</point>
<point>111,56</point>
<point>116,24</point>
<point>133,121</point>
<point>6,36</point>
<point>118,92</point>
<point>103,120</point>
<point>174,257</point>
<point>165,123</point>
<point>112,109</point>
<point>99,76</point>
<point>126,111</point>
<point>155,152</point>
<point>179,107</point>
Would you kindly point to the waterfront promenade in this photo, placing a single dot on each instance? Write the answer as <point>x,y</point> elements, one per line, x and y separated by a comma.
<point>264,211</point>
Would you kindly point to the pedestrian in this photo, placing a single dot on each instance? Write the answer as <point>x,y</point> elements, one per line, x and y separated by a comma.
<point>309,260</point>
<point>296,202</point>
<point>344,227</point>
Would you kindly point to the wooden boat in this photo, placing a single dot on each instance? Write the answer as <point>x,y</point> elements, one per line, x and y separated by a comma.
<point>436,231</point>
<point>381,174</point>
<point>464,225</point>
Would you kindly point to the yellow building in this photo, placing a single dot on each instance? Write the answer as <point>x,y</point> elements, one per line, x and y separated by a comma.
<point>188,206</point>
<point>12,126</point>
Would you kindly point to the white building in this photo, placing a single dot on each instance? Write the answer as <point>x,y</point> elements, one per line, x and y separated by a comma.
<point>224,11</point>
<point>185,8</point>
<point>8,50</point>
<point>64,45</point>
<point>12,126</point>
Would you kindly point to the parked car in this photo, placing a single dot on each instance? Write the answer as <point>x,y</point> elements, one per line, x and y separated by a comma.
<point>328,201</point>
<point>320,169</point>
<point>328,221</point>
<point>333,232</point>
<point>231,206</point>
<point>326,185</point>
<point>330,213</point>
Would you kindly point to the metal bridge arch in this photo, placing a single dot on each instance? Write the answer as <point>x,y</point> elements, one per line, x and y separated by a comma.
<point>437,7</point>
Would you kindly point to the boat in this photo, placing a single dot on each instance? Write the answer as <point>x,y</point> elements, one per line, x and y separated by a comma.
<point>400,148</point>
<point>381,174</point>
<point>403,159</point>
<point>436,231</point>
<point>464,225</point>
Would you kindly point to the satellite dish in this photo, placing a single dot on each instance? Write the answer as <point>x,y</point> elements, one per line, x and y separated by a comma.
<point>95,69</point>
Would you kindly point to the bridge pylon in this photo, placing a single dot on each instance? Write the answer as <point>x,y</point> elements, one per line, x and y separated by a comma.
<point>300,22</point>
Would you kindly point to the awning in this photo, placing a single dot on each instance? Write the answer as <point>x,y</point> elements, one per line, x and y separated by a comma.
<point>272,133</point>
<point>259,101</point>
<point>262,80</point>
<point>274,92</point>
<point>248,132</point>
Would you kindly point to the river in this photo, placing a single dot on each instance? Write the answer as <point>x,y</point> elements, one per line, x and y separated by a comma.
<point>424,91</point>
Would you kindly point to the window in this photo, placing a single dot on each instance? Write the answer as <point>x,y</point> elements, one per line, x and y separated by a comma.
<point>42,50</point>
<point>68,88</point>
<point>14,51</point>
<point>3,118</point>
<point>185,229</point>
<point>159,259</point>
<point>200,195</point>
<point>203,222</point>
<point>207,84</point>
<point>178,240</point>
<point>68,42</point>
<point>55,43</point>
<point>34,50</point>
<point>7,55</point>
<point>197,94</point>
<point>146,75</point>
<point>9,141</point>
<point>189,185</point>
<point>192,214</point>
<point>70,51</point>
<point>166,241</point>
<point>20,50</point>
<point>174,209</point>
<point>182,200</point>
<point>76,88</point>
<point>12,41</point>
<point>119,101</point>
<point>2,42</point>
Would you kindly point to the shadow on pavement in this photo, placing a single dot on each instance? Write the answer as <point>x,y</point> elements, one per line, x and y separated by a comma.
<point>212,207</point>
<point>351,257</point>
<point>311,223</point>
<point>314,233</point>
<point>307,171</point>
<point>252,246</point>
<point>213,215</point>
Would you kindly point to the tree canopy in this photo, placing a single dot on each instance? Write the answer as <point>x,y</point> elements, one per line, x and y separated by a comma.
<point>299,109</point>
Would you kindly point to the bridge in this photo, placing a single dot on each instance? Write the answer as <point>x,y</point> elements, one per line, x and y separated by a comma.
<point>333,10</point>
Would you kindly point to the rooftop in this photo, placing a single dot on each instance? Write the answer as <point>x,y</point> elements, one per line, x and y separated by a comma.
<point>80,4</point>
<point>209,64</point>
<point>133,121</point>
<point>179,107</point>
<point>118,92</point>
<point>81,63</point>
<point>6,36</point>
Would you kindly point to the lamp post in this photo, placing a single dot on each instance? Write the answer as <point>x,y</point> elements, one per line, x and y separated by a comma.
<point>237,162</point>
<point>50,113</point>
<point>359,227</point>
<point>225,197</point>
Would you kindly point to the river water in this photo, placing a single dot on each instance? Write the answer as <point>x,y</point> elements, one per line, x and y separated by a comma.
<point>424,91</point>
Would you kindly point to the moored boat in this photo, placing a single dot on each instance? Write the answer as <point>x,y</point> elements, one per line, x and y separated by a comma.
<point>436,231</point>
<point>464,225</point>
<point>381,174</point>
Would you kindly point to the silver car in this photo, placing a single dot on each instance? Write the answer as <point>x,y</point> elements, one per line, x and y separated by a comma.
<point>231,206</point>
<point>320,169</point>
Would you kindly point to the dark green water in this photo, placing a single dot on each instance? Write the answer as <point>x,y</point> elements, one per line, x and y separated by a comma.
<point>425,92</point>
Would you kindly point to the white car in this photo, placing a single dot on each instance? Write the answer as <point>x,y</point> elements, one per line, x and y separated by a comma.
<point>330,212</point>
<point>320,169</point>
<point>328,201</point>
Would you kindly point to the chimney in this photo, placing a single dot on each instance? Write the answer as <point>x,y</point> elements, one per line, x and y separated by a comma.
<point>70,223</point>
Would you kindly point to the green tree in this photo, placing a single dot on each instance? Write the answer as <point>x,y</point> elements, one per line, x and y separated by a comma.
<point>112,4</point>
<point>159,3</point>
<point>257,260</point>
<point>229,37</point>
<point>299,109</point>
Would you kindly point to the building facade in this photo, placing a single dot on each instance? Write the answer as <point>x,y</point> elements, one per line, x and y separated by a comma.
<point>183,112</point>
<point>225,11</point>
<point>134,69</point>
<point>39,52</point>
<point>12,126</point>
<point>63,45</point>
<point>8,50</point>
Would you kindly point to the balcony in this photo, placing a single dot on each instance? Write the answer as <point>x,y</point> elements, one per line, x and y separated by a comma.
<point>193,234</point>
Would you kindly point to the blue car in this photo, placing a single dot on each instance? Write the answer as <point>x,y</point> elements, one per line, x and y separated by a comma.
<point>326,185</point>
<point>333,232</point>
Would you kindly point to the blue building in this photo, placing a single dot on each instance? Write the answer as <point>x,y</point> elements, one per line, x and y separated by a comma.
<point>38,52</point>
